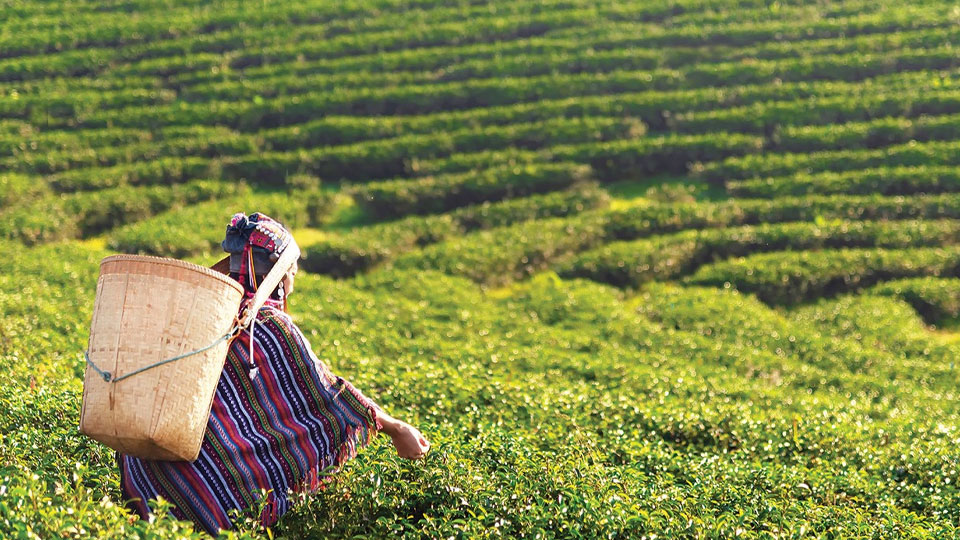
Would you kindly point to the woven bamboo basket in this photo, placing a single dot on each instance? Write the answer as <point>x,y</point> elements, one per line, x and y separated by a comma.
<point>148,309</point>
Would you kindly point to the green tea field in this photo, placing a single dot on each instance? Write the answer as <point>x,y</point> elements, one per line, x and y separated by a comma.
<point>649,269</point>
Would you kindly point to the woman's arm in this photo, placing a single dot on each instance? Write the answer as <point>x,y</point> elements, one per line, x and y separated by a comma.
<point>408,441</point>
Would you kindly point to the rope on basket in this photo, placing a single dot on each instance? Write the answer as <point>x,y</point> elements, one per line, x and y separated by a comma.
<point>108,377</point>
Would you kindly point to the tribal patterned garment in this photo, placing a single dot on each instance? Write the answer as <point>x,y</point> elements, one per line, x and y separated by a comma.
<point>281,422</point>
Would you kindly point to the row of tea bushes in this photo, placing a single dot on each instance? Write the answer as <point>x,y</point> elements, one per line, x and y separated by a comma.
<point>883,322</point>
<point>363,248</point>
<point>661,258</point>
<point>781,120</point>
<point>199,229</point>
<point>68,107</point>
<point>791,277</point>
<point>911,154</point>
<point>19,189</point>
<point>859,337</point>
<point>936,299</point>
<point>194,144</point>
<point>502,255</point>
<point>391,157</point>
<point>78,215</point>
<point>436,194</point>
<point>884,180</point>
<point>26,139</point>
<point>875,133</point>
<point>162,171</point>
<point>613,160</point>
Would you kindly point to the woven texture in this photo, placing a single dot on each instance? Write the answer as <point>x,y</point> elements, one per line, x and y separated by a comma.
<point>279,422</point>
<point>148,309</point>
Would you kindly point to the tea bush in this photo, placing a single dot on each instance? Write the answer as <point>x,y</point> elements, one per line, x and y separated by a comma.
<point>936,299</point>
<point>885,180</point>
<point>632,263</point>
<point>791,277</point>
<point>197,229</point>
<point>366,247</point>
<point>431,195</point>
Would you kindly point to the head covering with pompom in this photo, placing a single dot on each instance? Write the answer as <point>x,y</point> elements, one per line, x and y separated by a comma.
<point>255,241</point>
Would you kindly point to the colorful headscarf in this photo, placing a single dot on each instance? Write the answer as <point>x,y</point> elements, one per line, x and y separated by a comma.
<point>254,243</point>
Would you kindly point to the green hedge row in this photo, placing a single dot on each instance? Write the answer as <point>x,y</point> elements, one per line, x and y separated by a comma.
<point>190,143</point>
<point>70,107</point>
<point>76,63</point>
<point>498,256</point>
<point>910,154</point>
<point>666,218</point>
<point>792,277</point>
<point>366,247</point>
<point>55,88</point>
<point>28,140</point>
<point>78,215</point>
<point>620,159</point>
<point>747,33</point>
<point>509,253</point>
<point>776,118</point>
<point>937,300</point>
<point>159,171</point>
<point>634,262</point>
<point>876,133</point>
<point>199,229</point>
<point>436,194</point>
<point>410,155</point>
<point>19,189</point>
<point>614,160</point>
<point>883,181</point>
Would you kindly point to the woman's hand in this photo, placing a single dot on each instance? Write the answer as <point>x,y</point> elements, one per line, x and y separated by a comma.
<point>409,442</point>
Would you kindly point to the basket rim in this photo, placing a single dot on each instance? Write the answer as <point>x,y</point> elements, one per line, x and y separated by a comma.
<point>169,261</point>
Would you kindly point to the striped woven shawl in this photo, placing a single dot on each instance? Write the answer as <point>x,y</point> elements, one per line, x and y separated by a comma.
<point>281,422</point>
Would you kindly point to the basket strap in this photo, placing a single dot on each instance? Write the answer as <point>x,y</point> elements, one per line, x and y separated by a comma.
<point>108,377</point>
<point>286,260</point>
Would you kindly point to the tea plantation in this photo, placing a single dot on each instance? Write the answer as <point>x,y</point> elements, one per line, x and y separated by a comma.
<point>638,269</point>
